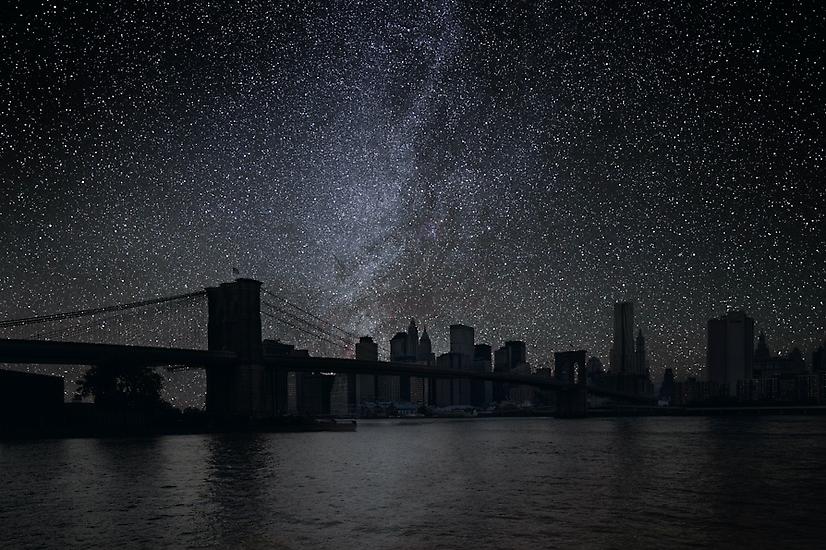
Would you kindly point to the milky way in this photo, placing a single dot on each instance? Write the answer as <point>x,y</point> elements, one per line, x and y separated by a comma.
<point>516,168</point>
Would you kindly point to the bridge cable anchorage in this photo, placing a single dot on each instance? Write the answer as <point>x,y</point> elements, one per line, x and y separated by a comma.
<point>7,323</point>
<point>305,331</point>
<point>312,325</point>
<point>122,315</point>
<point>314,316</point>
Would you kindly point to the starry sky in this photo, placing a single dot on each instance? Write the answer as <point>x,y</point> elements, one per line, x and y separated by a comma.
<point>516,167</point>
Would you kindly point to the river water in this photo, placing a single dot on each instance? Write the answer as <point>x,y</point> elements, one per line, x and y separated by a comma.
<point>486,483</point>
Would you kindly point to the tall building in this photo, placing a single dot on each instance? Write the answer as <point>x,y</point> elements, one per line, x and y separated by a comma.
<point>398,347</point>
<point>762,354</point>
<point>505,359</point>
<point>730,351</point>
<point>449,391</point>
<point>595,371</point>
<point>396,388</point>
<point>366,350</point>
<point>640,358</point>
<point>461,342</point>
<point>404,347</point>
<point>667,387</point>
<point>412,340</point>
<point>510,356</point>
<point>623,359</point>
<point>425,356</point>
<point>424,351</point>
<point>481,391</point>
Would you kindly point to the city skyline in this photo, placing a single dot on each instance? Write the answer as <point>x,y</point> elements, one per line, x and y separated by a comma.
<point>518,170</point>
<point>437,274</point>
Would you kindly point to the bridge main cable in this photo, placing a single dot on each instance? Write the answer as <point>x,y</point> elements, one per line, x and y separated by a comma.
<point>311,314</point>
<point>22,321</point>
<point>341,345</point>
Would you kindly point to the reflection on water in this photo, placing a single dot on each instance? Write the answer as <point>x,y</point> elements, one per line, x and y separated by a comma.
<point>494,483</point>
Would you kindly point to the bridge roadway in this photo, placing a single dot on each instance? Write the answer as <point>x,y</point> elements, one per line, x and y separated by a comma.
<point>82,353</point>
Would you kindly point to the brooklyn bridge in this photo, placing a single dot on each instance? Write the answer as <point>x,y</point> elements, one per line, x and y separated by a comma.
<point>247,378</point>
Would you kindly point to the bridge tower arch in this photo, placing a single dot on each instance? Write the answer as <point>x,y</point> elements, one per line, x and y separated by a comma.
<point>234,325</point>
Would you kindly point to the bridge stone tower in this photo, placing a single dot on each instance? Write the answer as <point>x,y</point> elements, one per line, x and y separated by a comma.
<point>235,325</point>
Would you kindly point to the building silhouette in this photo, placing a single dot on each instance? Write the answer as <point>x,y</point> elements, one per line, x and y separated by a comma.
<point>505,359</point>
<point>404,347</point>
<point>461,344</point>
<point>366,350</point>
<point>424,351</point>
<point>595,371</point>
<point>392,388</point>
<point>779,377</point>
<point>640,357</point>
<point>425,356</point>
<point>481,392</point>
<point>667,387</point>
<point>623,357</point>
<point>730,351</point>
<point>630,371</point>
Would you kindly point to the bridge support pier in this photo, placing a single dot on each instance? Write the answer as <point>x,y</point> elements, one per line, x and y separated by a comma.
<point>572,402</point>
<point>244,391</point>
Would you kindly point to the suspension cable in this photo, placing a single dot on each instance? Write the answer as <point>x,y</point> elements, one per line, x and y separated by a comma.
<point>313,326</point>
<point>122,315</point>
<point>300,329</point>
<point>316,317</point>
<point>86,312</point>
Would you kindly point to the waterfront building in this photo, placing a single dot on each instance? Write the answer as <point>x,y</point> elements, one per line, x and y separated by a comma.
<point>396,388</point>
<point>481,391</point>
<point>640,358</point>
<point>366,350</point>
<point>595,371</point>
<point>730,351</point>
<point>623,358</point>
<point>444,393</point>
<point>425,356</point>
<point>667,386</point>
<point>462,344</point>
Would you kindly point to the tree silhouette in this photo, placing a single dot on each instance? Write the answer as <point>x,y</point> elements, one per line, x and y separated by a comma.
<point>122,386</point>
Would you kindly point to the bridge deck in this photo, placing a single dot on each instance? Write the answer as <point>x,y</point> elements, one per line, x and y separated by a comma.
<point>81,353</point>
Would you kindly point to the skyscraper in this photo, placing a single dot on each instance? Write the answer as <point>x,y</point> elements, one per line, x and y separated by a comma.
<point>505,359</point>
<point>729,357</point>
<point>667,386</point>
<point>640,358</point>
<point>412,340</point>
<point>366,350</point>
<point>510,356</point>
<point>424,351</point>
<point>481,392</point>
<point>622,352</point>
<point>461,344</point>
<point>425,356</point>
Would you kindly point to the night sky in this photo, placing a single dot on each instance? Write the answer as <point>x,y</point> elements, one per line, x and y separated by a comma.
<point>517,168</point>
